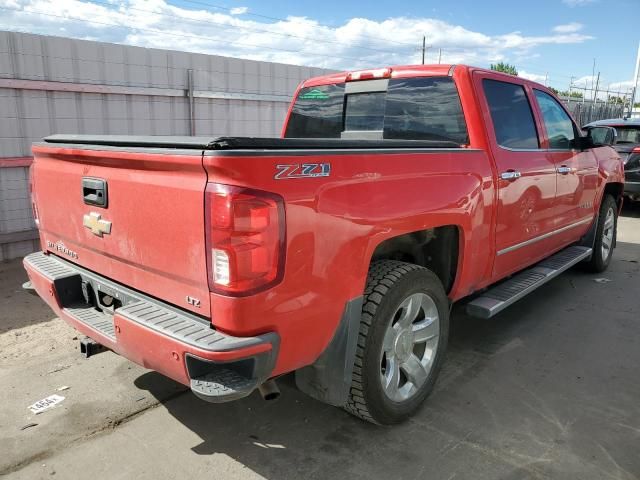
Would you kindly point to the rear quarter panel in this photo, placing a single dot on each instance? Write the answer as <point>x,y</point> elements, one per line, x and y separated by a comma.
<point>335,223</point>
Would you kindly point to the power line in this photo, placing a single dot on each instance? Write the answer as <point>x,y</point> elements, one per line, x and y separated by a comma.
<point>277,19</point>
<point>252,29</point>
<point>181,35</point>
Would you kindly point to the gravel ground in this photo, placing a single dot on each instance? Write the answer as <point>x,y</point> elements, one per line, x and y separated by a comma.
<point>547,389</point>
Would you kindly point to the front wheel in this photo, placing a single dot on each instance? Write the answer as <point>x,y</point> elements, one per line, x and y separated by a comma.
<point>605,235</point>
<point>402,341</point>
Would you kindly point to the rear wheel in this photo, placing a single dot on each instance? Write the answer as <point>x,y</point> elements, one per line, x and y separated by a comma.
<point>605,235</point>
<point>403,337</point>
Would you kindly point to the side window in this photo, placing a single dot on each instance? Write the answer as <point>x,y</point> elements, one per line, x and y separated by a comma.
<point>556,121</point>
<point>599,135</point>
<point>511,114</point>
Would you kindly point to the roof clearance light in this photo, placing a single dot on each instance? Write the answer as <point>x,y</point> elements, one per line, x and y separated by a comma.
<point>368,74</point>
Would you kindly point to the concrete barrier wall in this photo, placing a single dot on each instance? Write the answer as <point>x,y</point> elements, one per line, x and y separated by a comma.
<point>59,85</point>
<point>17,229</point>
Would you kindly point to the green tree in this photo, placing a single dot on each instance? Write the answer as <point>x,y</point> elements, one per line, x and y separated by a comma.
<point>616,100</point>
<point>565,93</point>
<point>505,68</point>
<point>554,90</point>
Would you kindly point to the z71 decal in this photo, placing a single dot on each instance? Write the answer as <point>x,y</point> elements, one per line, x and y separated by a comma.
<point>306,170</point>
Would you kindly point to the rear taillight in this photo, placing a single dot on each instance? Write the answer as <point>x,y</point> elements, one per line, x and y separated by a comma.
<point>245,239</point>
<point>34,208</point>
<point>636,150</point>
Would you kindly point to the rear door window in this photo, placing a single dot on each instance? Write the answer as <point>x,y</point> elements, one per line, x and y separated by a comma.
<point>511,115</point>
<point>557,122</point>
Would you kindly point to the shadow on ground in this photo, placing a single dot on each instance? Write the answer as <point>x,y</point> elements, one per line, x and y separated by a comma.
<point>630,209</point>
<point>17,308</point>
<point>547,389</point>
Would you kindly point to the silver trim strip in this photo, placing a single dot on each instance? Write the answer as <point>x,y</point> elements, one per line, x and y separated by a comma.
<point>542,237</point>
<point>56,86</point>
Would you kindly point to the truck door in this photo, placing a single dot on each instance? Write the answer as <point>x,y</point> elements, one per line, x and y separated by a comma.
<point>526,180</point>
<point>577,171</point>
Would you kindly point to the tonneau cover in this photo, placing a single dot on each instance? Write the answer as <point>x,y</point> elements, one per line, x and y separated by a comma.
<point>243,143</point>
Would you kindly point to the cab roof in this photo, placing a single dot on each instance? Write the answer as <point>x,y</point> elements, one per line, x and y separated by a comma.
<point>407,71</point>
<point>615,122</point>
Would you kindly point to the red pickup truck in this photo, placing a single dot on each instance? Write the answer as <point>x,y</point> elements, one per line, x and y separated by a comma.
<point>335,251</point>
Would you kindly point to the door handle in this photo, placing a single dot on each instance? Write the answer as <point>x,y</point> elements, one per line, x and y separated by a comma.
<point>94,191</point>
<point>563,170</point>
<point>510,175</point>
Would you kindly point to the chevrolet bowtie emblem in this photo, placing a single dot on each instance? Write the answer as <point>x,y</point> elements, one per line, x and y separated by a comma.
<point>94,222</point>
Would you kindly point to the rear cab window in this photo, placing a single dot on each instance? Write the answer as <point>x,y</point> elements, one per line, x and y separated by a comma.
<point>418,108</point>
<point>627,134</point>
<point>317,113</point>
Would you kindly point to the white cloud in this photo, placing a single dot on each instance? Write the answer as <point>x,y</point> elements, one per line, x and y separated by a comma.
<point>568,27</point>
<point>357,43</point>
<point>577,3</point>
<point>587,83</point>
<point>623,86</point>
<point>532,76</point>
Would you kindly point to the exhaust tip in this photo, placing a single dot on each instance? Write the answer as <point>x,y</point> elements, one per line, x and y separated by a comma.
<point>269,390</point>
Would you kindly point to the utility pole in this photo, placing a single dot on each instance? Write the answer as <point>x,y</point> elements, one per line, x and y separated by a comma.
<point>546,78</point>
<point>439,56</point>
<point>595,92</point>
<point>635,83</point>
<point>570,90</point>
<point>424,47</point>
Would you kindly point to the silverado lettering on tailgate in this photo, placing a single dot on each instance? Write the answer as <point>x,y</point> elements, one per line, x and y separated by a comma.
<point>60,247</point>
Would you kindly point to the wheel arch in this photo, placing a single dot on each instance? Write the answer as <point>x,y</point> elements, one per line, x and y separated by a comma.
<point>616,190</point>
<point>437,248</point>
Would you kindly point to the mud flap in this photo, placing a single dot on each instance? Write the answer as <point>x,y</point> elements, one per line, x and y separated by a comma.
<point>589,238</point>
<point>329,378</point>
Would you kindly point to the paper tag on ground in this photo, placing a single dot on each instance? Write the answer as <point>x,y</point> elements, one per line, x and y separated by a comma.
<point>46,403</point>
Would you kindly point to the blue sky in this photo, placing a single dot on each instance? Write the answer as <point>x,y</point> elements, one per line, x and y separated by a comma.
<point>552,39</point>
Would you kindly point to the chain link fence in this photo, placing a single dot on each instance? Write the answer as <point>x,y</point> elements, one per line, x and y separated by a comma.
<point>589,111</point>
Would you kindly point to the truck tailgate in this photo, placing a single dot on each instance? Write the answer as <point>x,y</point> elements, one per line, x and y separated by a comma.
<point>149,235</point>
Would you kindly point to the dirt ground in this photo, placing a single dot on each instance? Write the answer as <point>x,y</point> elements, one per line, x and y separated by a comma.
<point>547,389</point>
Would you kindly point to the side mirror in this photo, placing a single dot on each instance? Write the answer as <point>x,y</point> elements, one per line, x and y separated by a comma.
<point>601,136</point>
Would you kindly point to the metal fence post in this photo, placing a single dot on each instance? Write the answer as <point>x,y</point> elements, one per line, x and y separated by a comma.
<point>192,113</point>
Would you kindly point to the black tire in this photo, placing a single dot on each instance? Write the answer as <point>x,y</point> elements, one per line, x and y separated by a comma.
<point>389,283</point>
<point>599,262</point>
